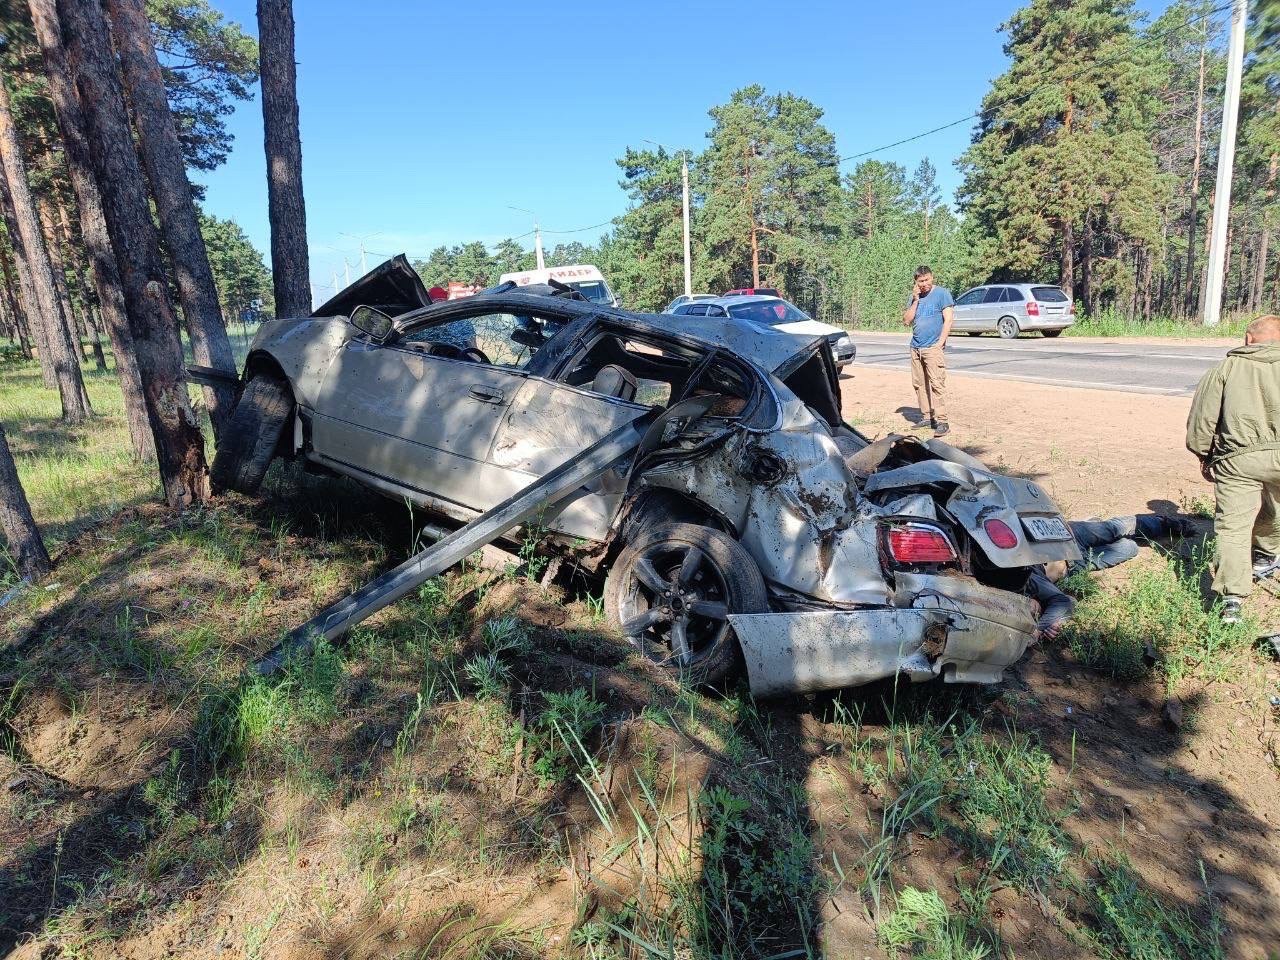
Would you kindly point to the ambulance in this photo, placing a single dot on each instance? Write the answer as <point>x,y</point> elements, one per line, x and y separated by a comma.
<point>583,277</point>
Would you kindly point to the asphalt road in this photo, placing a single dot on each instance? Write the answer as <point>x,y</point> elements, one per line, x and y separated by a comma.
<point>1168,369</point>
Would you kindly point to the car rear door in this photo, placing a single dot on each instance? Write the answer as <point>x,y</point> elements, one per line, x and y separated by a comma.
<point>1054,305</point>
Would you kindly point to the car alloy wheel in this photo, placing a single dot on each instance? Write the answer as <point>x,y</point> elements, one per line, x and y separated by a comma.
<point>671,592</point>
<point>1008,327</point>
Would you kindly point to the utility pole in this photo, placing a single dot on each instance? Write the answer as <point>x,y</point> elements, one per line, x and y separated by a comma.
<point>1226,161</point>
<point>684,175</point>
<point>537,235</point>
<point>346,272</point>
<point>336,288</point>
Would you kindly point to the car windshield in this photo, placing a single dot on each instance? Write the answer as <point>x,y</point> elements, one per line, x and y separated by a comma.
<point>1049,294</point>
<point>593,290</point>
<point>768,312</point>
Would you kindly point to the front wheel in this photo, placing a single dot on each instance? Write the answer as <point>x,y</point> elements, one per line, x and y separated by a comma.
<point>249,439</point>
<point>671,590</point>
<point>1007,328</point>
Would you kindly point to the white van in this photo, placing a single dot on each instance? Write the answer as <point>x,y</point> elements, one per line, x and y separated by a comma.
<point>583,277</point>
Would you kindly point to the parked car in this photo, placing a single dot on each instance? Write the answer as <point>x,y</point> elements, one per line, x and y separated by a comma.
<point>750,525</point>
<point>753,292</point>
<point>773,311</point>
<point>687,298</point>
<point>1012,308</point>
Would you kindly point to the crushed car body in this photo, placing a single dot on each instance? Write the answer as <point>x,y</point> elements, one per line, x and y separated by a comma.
<point>753,527</point>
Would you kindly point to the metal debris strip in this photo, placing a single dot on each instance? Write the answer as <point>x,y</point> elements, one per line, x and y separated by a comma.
<point>550,489</point>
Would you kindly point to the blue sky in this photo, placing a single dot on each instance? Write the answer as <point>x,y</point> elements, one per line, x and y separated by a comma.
<point>423,123</point>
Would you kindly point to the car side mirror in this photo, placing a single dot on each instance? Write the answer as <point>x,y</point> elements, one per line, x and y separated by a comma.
<point>372,321</point>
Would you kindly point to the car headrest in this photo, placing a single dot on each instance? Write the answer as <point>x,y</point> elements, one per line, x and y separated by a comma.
<point>613,381</point>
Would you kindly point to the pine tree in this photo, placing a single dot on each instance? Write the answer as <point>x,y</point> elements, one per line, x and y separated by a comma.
<point>25,546</point>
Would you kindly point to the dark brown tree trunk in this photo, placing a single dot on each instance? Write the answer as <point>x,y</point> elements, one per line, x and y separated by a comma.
<point>290,270</point>
<point>92,322</point>
<point>1189,298</point>
<point>15,308</point>
<point>25,292</point>
<point>1067,272</point>
<point>63,357</point>
<point>179,444</point>
<point>70,322</point>
<point>1264,241</point>
<point>1086,263</point>
<point>26,547</point>
<point>179,224</point>
<point>93,228</point>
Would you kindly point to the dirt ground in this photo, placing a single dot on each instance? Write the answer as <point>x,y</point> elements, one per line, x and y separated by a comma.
<point>1098,452</point>
<point>411,821</point>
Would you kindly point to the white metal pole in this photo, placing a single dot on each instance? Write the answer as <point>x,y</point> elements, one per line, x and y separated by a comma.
<point>1226,161</point>
<point>364,266</point>
<point>336,288</point>
<point>688,270</point>
<point>346,271</point>
<point>537,245</point>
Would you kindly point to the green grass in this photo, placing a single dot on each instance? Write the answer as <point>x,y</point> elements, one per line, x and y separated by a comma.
<point>1160,604</point>
<point>1132,923</point>
<point>922,926</point>
<point>1112,323</point>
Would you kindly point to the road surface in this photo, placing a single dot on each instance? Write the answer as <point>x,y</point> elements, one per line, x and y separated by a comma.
<point>1167,369</point>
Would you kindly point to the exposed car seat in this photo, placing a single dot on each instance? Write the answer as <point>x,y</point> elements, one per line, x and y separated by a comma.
<point>613,381</point>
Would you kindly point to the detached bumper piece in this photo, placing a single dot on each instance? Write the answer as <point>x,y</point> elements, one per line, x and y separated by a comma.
<point>952,627</point>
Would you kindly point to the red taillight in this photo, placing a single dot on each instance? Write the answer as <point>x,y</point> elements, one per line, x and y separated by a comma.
<point>918,543</point>
<point>1033,309</point>
<point>1001,534</point>
<point>1071,306</point>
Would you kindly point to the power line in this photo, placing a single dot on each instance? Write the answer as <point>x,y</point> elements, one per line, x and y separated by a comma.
<point>1149,38</point>
<point>594,226</point>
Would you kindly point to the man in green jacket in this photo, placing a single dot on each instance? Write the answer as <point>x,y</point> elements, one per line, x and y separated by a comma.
<point>1234,428</point>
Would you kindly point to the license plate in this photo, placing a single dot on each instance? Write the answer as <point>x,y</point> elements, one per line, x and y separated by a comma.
<point>1046,528</point>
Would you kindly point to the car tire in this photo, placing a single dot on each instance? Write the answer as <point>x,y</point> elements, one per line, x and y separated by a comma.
<point>1007,327</point>
<point>1050,333</point>
<point>250,438</point>
<point>723,579</point>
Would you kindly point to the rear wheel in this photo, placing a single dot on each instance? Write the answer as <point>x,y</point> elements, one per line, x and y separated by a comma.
<point>249,439</point>
<point>1050,333</point>
<point>671,590</point>
<point>1007,327</point>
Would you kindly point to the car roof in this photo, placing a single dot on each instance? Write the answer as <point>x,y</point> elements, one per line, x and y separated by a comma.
<point>763,345</point>
<point>738,298</point>
<point>1011,283</point>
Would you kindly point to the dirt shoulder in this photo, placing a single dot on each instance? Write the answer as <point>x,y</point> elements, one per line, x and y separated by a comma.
<point>1223,343</point>
<point>1098,452</point>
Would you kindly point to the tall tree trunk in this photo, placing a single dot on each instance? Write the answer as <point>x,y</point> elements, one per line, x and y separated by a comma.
<point>179,444</point>
<point>179,224</point>
<point>1194,200</point>
<point>26,547</point>
<point>25,291</point>
<point>1264,241</point>
<point>15,308</point>
<point>92,323</point>
<point>65,360</point>
<point>1067,272</point>
<point>1086,262</point>
<point>290,270</point>
<point>57,265</point>
<point>93,228</point>
<point>1204,274</point>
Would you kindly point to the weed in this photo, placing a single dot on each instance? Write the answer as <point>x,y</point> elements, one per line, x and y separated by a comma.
<point>489,675</point>
<point>1132,923</point>
<point>562,728</point>
<point>922,924</point>
<point>164,793</point>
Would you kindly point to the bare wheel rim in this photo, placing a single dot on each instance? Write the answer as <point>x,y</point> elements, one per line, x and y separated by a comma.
<point>675,603</point>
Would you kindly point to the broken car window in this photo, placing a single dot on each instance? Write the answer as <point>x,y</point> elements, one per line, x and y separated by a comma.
<point>490,333</point>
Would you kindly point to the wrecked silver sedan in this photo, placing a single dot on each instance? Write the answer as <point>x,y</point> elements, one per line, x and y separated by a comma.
<point>750,524</point>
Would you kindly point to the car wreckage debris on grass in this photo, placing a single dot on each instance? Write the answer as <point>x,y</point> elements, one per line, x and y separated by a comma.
<point>704,473</point>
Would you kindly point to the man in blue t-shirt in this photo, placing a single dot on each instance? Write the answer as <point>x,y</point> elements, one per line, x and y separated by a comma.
<point>929,316</point>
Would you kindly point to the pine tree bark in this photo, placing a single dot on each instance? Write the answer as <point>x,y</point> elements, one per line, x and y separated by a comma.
<point>25,292</point>
<point>15,308</point>
<point>1264,240</point>
<point>290,269</point>
<point>1194,201</point>
<point>1067,272</point>
<point>1086,263</point>
<point>26,546</point>
<point>162,156</point>
<point>118,173</point>
<point>65,361</point>
<point>72,325</point>
<point>93,228</point>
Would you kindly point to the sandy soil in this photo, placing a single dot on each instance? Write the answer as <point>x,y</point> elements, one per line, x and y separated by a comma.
<point>1098,452</point>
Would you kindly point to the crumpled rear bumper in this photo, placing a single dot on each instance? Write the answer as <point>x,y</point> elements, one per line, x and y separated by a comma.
<point>948,626</point>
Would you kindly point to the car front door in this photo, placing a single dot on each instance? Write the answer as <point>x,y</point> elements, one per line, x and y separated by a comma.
<point>965,316</point>
<point>420,412</point>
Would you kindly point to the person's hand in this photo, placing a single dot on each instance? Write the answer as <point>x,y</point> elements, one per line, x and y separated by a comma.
<point>1206,470</point>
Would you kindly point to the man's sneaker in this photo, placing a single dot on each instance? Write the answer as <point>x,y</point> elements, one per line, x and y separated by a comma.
<point>1232,611</point>
<point>1264,566</point>
<point>941,428</point>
